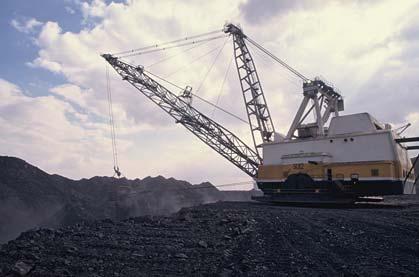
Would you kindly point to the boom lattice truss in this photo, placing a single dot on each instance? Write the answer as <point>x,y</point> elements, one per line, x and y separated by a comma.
<point>210,132</point>
<point>260,120</point>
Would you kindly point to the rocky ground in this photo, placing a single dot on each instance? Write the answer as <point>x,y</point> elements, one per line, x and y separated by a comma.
<point>229,239</point>
<point>30,197</point>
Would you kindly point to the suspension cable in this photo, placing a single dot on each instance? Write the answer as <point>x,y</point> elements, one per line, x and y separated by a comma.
<point>212,65</point>
<point>197,42</point>
<point>166,43</point>
<point>175,55</point>
<point>288,76</point>
<point>221,109</point>
<point>112,125</point>
<point>164,80</point>
<point>171,47</point>
<point>222,85</point>
<point>193,61</point>
<point>200,98</point>
<point>281,62</point>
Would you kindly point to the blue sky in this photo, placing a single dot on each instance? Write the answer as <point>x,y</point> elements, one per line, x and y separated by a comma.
<point>52,78</point>
<point>19,46</point>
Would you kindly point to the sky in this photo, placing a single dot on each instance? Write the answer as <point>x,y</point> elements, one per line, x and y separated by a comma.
<point>53,105</point>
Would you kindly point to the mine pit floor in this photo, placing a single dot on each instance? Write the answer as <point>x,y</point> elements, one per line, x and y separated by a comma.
<point>230,239</point>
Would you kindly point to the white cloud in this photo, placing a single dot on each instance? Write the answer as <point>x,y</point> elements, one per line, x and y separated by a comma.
<point>49,34</point>
<point>356,45</point>
<point>257,12</point>
<point>96,8</point>
<point>55,135</point>
<point>413,130</point>
<point>39,129</point>
<point>25,26</point>
<point>72,93</point>
<point>52,134</point>
<point>9,91</point>
<point>412,118</point>
<point>76,56</point>
<point>45,63</point>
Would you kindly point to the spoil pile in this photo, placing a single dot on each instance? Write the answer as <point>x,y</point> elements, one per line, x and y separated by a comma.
<point>30,197</point>
<point>227,239</point>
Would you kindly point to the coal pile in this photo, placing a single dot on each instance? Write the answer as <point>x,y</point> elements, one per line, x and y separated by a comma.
<point>227,239</point>
<point>30,197</point>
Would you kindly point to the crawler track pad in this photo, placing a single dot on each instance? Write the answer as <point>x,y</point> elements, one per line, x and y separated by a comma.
<point>306,199</point>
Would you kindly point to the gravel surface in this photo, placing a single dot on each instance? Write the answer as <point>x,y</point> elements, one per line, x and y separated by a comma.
<point>228,239</point>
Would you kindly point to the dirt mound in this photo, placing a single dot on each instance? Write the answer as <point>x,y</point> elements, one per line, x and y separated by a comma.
<point>30,197</point>
<point>227,239</point>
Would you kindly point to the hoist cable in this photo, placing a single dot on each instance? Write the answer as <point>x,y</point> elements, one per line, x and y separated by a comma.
<point>112,123</point>
<point>166,43</point>
<point>281,62</point>
<point>171,47</point>
<point>110,112</point>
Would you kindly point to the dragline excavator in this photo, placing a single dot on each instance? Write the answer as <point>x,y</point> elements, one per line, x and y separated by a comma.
<point>333,158</point>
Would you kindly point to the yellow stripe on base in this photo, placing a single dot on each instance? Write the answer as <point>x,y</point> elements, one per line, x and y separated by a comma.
<point>386,169</point>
